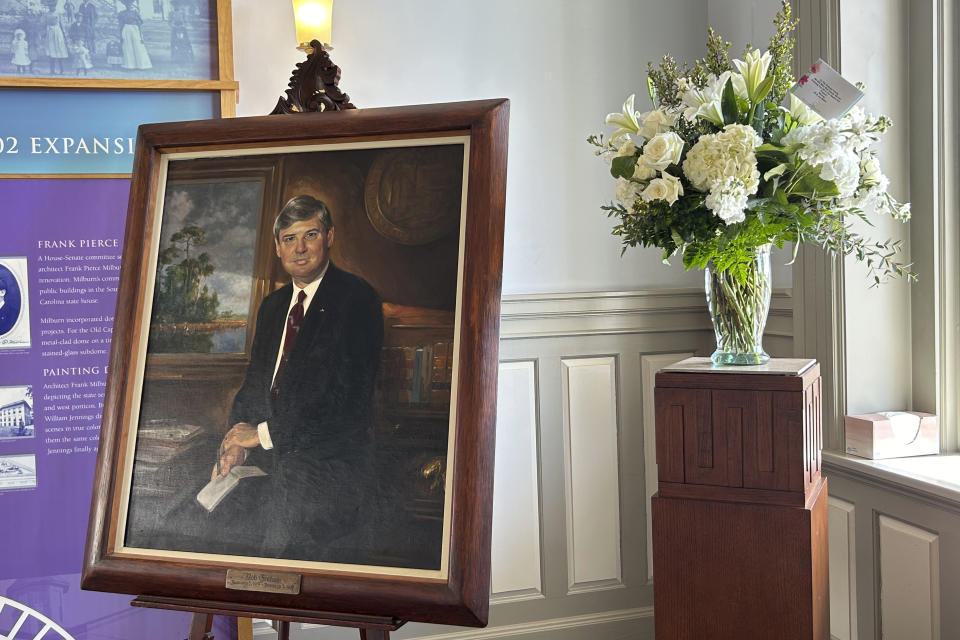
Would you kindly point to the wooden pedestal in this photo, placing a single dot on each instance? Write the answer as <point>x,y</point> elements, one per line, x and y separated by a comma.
<point>740,518</point>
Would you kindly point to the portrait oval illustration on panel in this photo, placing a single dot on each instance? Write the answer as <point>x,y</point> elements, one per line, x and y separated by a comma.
<point>9,300</point>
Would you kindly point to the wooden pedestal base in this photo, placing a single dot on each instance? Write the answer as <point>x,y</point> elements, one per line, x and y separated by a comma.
<point>738,570</point>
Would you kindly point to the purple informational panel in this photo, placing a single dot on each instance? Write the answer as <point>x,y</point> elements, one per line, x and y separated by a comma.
<point>60,247</point>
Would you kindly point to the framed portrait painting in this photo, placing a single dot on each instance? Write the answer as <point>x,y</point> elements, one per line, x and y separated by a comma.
<point>300,405</point>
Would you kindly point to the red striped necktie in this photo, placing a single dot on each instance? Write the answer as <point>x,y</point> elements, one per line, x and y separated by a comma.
<point>294,318</point>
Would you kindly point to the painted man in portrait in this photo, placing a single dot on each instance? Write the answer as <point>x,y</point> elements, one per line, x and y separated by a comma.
<point>303,413</point>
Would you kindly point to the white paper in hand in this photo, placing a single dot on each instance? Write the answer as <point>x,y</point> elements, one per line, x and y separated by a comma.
<point>218,488</point>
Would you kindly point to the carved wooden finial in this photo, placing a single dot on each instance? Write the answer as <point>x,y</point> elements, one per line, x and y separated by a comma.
<point>313,85</point>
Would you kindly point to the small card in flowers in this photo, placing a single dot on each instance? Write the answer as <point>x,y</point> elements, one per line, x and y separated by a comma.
<point>826,92</point>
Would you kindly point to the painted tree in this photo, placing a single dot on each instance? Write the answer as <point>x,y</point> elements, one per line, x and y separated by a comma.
<point>182,295</point>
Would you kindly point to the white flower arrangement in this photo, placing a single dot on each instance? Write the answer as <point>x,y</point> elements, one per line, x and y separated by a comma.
<point>719,168</point>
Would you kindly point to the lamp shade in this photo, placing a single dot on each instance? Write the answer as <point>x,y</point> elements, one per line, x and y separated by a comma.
<point>314,20</point>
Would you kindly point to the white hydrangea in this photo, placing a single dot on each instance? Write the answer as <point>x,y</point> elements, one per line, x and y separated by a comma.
<point>835,147</point>
<point>628,192</point>
<point>844,171</point>
<point>728,200</point>
<point>819,143</point>
<point>716,157</point>
<point>872,189</point>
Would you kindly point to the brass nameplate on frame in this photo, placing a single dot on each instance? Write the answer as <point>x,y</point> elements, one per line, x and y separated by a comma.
<point>265,581</point>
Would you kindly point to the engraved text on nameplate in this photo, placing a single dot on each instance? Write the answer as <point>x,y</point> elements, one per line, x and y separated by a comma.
<point>265,581</point>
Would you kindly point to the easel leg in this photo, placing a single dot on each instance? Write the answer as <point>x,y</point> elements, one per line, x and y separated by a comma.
<point>283,633</point>
<point>200,626</point>
<point>244,628</point>
<point>374,634</point>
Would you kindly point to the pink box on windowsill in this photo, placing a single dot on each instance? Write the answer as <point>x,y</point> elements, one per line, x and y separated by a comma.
<point>893,434</point>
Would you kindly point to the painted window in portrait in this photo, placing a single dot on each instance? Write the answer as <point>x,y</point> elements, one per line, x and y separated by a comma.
<point>14,304</point>
<point>109,39</point>
<point>16,412</point>
<point>358,412</point>
<point>205,271</point>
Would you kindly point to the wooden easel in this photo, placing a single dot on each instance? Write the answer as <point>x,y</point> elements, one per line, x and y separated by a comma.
<point>370,627</point>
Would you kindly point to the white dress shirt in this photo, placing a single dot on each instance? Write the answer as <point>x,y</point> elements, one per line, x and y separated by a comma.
<point>263,429</point>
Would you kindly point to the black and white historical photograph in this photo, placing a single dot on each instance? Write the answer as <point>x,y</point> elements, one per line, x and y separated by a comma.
<point>16,412</point>
<point>135,39</point>
<point>18,472</point>
<point>14,304</point>
<point>296,398</point>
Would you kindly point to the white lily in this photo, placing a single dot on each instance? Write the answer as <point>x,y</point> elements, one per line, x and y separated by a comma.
<point>626,120</point>
<point>801,113</point>
<point>705,103</point>
<point>754,70</point>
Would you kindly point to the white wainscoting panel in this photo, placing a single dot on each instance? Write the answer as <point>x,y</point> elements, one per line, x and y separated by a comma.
<point>515,573</point>
<point>650,363</point>
<point>909,581</point>
<point>843,570</point>
<point>591,470</point>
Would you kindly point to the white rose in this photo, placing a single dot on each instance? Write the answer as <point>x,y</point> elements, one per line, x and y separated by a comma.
<point>654,122</point>
<point>728,201</point>
<point>642,172</point>
<point>663,150</point>
<point>666,187</point>
<point>628,148</point>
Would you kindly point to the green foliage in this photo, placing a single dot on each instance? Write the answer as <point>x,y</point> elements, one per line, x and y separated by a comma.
<point>728,104</point>
<point>623,166</point>
<point>662,82</point>
<point>717,59</point>
<point>781,53</point>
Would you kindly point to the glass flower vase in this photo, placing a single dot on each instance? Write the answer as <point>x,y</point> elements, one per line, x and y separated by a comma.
<point>738,310</point>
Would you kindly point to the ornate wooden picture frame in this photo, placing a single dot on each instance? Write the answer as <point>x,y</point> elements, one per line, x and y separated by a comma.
<point>385,476</point>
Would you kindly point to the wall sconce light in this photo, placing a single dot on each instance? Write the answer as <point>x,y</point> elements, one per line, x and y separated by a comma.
<point>314,22</point>
<point>314,85</point>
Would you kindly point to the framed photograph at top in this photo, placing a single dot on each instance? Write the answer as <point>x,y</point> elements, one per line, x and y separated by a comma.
<point>115,43</point>
<point>303,372</point>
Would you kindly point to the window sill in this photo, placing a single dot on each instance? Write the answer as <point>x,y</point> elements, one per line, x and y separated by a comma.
<point>931,478</point>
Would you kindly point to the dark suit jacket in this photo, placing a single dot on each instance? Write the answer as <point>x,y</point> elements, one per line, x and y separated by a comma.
<point>320,468</point>
<point>325,393</point>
